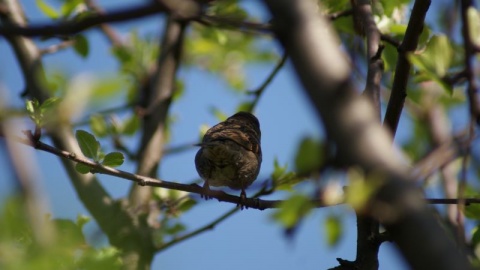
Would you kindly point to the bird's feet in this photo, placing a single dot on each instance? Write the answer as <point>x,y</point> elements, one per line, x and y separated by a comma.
<point>243,200</point>
<point>206,191</point>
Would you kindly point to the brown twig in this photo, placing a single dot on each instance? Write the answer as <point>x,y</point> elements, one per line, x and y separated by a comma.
<point>57,47</point>
<point>362,12</point>
<point>259,91</point>
<point>73,27</point>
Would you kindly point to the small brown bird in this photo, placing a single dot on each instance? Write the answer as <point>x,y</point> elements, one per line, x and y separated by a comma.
<point>230,153</point>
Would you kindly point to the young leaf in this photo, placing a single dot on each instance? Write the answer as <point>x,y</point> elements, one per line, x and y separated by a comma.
<point>113,159</point>
<point>292,210</point>
<point>49,103</point>
<point>47,9</point>
<point>82,168</point>
<point>309,157</point>
<point>88,144</point>
<point>98,125</point>
<point>34,112</point>
<point>131,125</point>
<point>282,178</point>
<point>333,229</point>
<point>81,46</point>
<point>69,6</point>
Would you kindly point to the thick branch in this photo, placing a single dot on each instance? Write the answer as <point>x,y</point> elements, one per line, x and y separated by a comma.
<point>402,70</point>
<point>351,123</point>
<point>157,98</point>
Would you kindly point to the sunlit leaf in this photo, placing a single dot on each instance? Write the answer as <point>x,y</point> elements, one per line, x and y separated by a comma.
<point>47,9</point>
<point>292,210</point>
<point>98,125</point>
<point>69,6</point>
<point>82,168</point>
<point>175,229</point>
<point>309,157</point>
<point>88,144</point>
<point>333,229</point>
<point>113,159</point>
<point>131,125</point>
<point>282,178</point>
<point>435,61</point>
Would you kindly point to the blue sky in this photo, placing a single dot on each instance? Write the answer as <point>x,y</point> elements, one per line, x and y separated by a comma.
<point>249,239</point>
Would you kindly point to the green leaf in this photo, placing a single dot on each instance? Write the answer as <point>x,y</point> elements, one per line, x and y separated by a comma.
<point>245,107</point>
<point>88,144</point>
<point>175,229</point>
<point>472,211</point>
<point>82,168</point>
<point>34,111</point>
<point>113,159</point>
<point>186,205</point>
<point>69,7</point>
<point>282,178</point>
<point>435,61</point>
<point>49,103</point>
<point>221,116</point>
<point>72,235</point>
<point>333,229</point>
<point>309,157</point>
<point>47,9</point>
<point>131,125</point>
<point>81,46</point>
<point>98,125</point>
<point>82,220</point>
<point>292,210</point>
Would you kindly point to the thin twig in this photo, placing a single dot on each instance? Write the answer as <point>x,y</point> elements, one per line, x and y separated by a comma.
<point>259,91</point>
<point>109,32</point>
<point>198,231</point>
<point>73,27</point>
<point>57,47</point>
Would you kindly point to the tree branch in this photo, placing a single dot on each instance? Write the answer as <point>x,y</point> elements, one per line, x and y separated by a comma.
<point>200,230</point>
<point>469,58</point>
<point>259,91</point>
<point>362,10</point>
<point>157,98</point>
<point>352,124</point>
<point>253,202</point>
<point>187,8</point>
<point>402,70</point>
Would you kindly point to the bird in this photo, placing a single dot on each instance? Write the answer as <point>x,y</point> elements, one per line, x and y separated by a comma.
<point>230,154</point>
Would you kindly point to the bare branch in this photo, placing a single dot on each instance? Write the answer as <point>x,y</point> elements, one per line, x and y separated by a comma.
<point>259,91</point>
<point>57,47</point>
<point>469,58</point>
<point>157,98</point>
<point>187,8</point>
<point>362,11</point>
<point>200,230</point>
<point>402,70</point>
